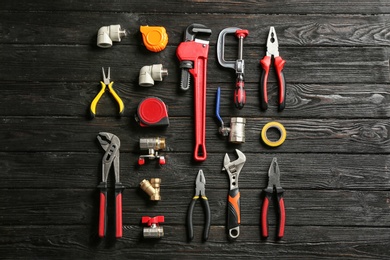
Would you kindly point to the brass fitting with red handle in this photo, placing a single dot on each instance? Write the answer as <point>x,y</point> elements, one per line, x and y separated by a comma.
<point>193,54</point>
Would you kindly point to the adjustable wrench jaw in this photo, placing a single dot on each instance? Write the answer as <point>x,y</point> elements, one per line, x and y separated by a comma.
<point>234,168</point>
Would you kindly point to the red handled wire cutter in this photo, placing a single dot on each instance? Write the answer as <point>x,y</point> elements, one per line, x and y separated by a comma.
<point>272,50</point>
<point>111,145</point>
<point>273,187</point>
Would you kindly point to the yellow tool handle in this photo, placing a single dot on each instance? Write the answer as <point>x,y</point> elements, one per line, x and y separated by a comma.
<point>96,99</point>
<point>117,98</point>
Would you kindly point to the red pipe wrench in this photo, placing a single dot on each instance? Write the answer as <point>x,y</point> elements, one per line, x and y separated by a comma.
<point>192,54</point>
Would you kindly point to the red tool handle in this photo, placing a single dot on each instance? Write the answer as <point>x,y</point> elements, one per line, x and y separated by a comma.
<point>281,213</point>
<point>265,64</point>
<point>103,211</point>
<point>239,93</point>
<point>234,213</point>
<point>118,212</point>
<point>279,65</point>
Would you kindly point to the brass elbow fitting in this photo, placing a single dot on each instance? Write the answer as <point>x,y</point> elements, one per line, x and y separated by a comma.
<point>152,188</point>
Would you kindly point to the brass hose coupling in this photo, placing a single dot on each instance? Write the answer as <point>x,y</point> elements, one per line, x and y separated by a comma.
<point>152,188</point>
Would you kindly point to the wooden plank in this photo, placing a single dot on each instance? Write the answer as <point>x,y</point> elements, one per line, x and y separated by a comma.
<point>212,6</point>
<point>83,64</point>
<point>355,136</point>
<point>303,100</point>
<point>303,207</point>
<point>305,241</point>
<point>299,171</point>
<point>292,30</point>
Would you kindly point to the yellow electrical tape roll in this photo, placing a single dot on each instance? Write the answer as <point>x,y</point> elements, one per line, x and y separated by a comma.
<point>281,130</point>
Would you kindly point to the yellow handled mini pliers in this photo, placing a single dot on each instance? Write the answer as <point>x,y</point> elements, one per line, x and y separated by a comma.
<point>106,83</point>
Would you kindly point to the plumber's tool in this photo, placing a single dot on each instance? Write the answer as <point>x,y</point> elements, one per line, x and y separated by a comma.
<point>192,54</point>
<point>272,189</point>
<point>281,130</point>
<point>111,145</point>
<point>155,38</point>
<point>106,83</point>
<point>199,193</point>
<point>236,131</point>
<point>149,74</point>
<point>153,145</point>
<point>238,65</point>
<point>152,188</point>
<point>272,50</point>
<point>108,34</point>
<point>234,212</point>
<point>152,112</point>
<point>153,229</point>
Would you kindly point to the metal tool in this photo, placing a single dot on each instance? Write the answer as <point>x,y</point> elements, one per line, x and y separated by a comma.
<point>234,212</point>
<point>273,188</point>
<point>153,145</point>
<point>272,50</point>
<point>199,193</point>
<point>106,83</point>
<point>111,145</point>
<point>238,65</point>
<point>193,54</point>
<point>153,229</point>
<point>236,131</point>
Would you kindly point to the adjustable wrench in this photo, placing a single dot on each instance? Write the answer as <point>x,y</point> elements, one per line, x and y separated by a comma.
<point>234,212</point>
<point>192,54</point>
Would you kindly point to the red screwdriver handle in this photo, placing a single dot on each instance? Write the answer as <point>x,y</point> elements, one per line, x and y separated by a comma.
<point>118,212</point>
<point>239,93</point>
<point>103,210</point>
<point>265,64</point>
<point>279,65</point>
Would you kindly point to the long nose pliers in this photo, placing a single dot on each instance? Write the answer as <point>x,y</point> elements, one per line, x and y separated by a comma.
<point>200,183</point>
<point>273,188</point>
<point>106,83</point>
<point>272,50</point>
<point>111,144</point>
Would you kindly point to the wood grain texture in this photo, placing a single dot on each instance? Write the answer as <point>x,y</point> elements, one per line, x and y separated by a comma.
<point>334,162</point>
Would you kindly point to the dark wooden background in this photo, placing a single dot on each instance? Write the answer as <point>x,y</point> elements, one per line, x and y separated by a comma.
<point>334,163</point>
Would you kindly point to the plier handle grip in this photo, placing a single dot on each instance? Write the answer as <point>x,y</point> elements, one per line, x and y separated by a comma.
<point>272,50</point>
<point>106,83</point>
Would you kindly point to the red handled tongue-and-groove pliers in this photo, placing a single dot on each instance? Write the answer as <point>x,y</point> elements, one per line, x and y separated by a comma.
<point>272,50</point>
<point>111,144</point>
<point>273,190</point>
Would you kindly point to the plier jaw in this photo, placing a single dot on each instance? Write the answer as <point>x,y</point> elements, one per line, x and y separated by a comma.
<point>272,43</point>
<point>273,190</point>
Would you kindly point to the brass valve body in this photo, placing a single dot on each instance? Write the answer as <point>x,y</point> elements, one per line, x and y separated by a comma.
<point>152,188</point>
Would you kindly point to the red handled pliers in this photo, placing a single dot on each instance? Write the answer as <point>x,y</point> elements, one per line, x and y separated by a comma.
<point>272,50</point>
<point>273,186</point>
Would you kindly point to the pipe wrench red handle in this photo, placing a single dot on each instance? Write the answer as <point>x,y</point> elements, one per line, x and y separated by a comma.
<point>193,54</point>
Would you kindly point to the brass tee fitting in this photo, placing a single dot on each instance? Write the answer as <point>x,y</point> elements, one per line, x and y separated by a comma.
<point>152,188</point>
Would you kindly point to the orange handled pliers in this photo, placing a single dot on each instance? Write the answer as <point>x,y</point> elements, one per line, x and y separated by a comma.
<point>272,50</point>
